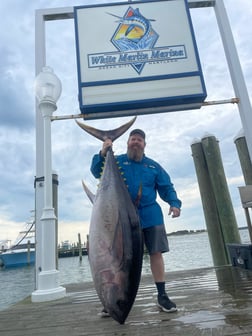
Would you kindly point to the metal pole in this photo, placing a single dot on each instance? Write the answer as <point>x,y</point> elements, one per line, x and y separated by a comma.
<point>48,90</point>
<point>239,84</point>
<point>41,16</point>
<point>40,61</point>
<point>48,287</point>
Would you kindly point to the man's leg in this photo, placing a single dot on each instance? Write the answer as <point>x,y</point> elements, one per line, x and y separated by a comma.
<point>157,267</point>
<point>158,272</point>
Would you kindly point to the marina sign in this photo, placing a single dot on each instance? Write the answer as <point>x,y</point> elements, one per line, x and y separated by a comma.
<point>137,58</point>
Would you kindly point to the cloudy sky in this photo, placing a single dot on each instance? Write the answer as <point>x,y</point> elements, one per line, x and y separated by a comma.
<point>169,135</point>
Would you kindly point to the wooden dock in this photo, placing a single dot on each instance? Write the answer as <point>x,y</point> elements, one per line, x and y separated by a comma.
<point>211,301</point>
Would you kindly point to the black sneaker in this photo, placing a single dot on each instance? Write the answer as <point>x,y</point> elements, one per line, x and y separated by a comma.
<point>165,304</point>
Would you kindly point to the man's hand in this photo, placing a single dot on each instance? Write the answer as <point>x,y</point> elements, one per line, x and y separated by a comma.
<point>174,211</point>
<point>106,145</point>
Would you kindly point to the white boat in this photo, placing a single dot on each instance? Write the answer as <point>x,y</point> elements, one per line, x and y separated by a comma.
<point>22,252</point>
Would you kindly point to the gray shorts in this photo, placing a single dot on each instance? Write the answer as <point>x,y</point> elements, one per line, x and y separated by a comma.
<point>155,239</point>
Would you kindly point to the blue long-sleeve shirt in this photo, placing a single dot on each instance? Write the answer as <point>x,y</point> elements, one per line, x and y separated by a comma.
<point>152,178</point>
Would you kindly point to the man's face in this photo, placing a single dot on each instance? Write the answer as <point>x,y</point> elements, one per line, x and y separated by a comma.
<point>136,145</point>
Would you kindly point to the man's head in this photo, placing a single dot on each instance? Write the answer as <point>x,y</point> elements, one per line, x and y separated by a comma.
<point>136,144</point>
<point>139,132</point>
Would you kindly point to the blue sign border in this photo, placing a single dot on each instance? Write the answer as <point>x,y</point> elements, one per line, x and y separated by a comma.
<point>179,102</point>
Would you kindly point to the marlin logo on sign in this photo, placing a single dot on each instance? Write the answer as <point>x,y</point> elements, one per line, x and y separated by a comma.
<point>134,33</point>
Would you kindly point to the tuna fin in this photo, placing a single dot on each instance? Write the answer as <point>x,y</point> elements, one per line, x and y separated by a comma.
<point>139,195</point>
<point>90,195</point>
<point>103,135</point>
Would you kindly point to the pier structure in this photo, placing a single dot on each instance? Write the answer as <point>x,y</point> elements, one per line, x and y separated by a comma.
<point>211,301</point>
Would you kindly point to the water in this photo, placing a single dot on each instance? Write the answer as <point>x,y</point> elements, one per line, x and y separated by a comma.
<point>186,252</point>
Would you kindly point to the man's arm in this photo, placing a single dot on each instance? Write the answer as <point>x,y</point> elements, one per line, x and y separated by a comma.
<point>98,159</point>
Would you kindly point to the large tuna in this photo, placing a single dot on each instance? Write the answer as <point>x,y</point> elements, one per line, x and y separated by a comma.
<point>115,236</point>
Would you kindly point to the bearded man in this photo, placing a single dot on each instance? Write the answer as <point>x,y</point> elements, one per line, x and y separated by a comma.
<point>145,178</point>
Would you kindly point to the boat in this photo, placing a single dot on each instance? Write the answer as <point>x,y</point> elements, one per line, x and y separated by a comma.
<point>4,245</point>
<point>22,252</point>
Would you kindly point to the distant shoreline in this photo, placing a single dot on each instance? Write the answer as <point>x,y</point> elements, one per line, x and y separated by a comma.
<point>186,232</point>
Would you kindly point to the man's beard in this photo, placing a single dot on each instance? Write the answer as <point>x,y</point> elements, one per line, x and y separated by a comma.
<point>135,154</point>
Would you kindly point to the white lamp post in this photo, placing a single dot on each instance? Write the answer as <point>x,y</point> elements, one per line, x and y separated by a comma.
<point>48,90</point>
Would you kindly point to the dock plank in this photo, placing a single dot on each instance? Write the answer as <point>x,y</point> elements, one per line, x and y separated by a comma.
<point>211,301</point>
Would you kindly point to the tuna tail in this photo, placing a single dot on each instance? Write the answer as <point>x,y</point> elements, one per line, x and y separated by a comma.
<point>110,134</point>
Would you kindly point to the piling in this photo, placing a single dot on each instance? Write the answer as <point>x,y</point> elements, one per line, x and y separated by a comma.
<point>80,249</point>
<point>219,253</point>
<point>244,157</point>
<point>217,176</point>
<point>28,252</point>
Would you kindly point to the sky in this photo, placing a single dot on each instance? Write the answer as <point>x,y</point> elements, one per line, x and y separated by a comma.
<point>169,135</point>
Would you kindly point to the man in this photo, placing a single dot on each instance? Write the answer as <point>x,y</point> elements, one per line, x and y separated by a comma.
<point>143,173</point>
